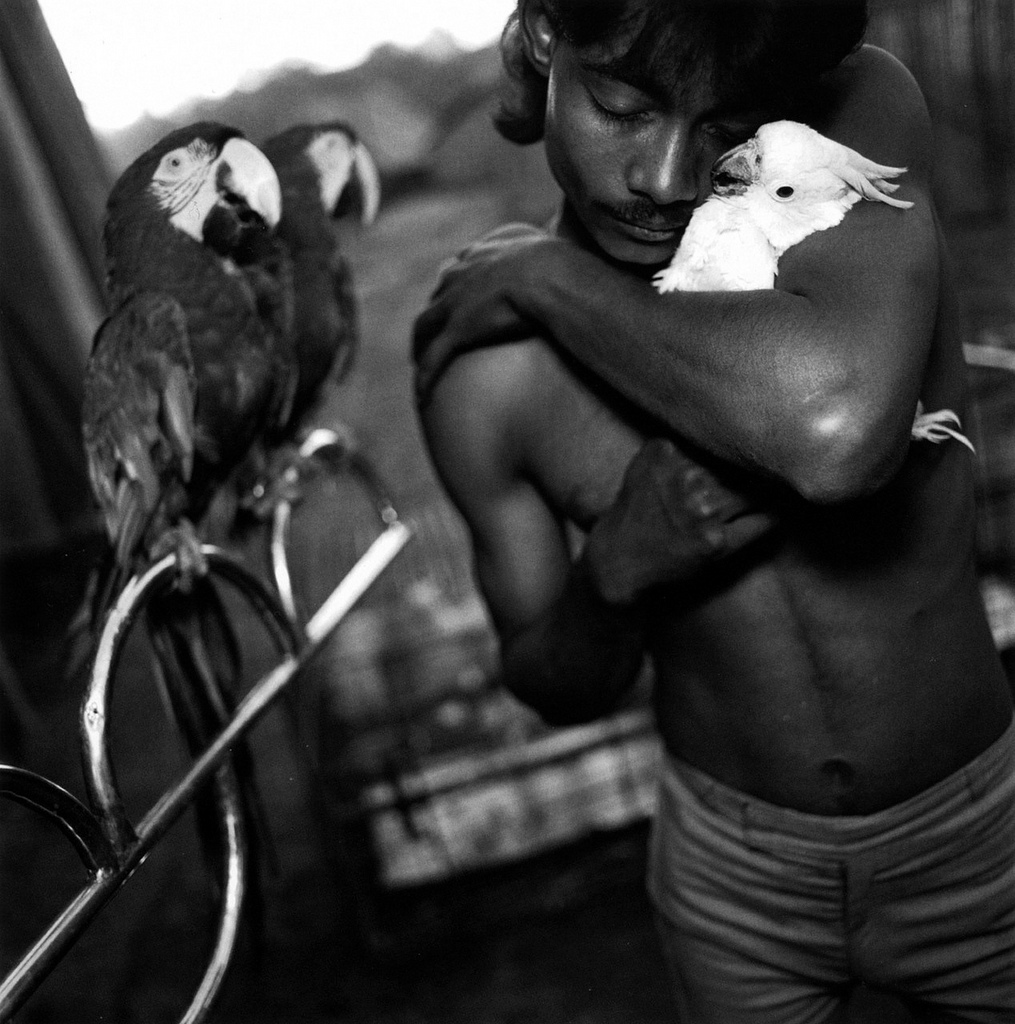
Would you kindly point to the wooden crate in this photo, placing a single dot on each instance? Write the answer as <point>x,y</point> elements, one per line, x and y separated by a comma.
<point>434,774</point>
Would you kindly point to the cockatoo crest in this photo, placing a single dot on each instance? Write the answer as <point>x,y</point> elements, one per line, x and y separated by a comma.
<point>771,192</point>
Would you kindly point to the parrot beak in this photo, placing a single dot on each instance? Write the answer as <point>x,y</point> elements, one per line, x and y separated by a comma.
<point>368,180</point>
<point>734,172</point>
<point>247,173</point>
<point>349,177</point>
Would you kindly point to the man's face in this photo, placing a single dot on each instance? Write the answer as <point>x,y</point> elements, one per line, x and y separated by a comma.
<point>632,159</point>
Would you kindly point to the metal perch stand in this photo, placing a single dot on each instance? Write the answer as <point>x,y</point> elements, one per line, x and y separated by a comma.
<point>110,847</point>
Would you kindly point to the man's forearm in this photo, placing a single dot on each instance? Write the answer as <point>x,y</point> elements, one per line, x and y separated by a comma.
<point>703,364</point>
<point>766,380</point>
<point>577,660</point>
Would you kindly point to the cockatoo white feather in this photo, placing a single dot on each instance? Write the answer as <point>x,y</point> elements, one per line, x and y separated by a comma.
<point>769,193</point>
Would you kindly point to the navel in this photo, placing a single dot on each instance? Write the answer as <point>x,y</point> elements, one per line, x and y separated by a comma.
<point>839,772</point>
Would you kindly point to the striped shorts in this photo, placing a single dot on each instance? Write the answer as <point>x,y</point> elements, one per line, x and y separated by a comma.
<point>772,916</point>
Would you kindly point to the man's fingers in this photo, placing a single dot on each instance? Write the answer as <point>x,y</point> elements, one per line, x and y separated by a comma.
<point>744,530</point>
<point>683,485</point>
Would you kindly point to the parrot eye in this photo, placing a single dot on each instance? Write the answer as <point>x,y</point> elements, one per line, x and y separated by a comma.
<point>173,165</point>
<point>785,191</point>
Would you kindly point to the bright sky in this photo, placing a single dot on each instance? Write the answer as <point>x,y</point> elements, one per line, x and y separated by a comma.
<point>126,57</point>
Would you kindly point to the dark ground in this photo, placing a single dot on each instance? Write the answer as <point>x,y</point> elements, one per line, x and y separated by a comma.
<point>563,940</point>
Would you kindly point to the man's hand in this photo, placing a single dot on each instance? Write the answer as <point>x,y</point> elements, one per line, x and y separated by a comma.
<point>471,307</point>
<point>672,520</point>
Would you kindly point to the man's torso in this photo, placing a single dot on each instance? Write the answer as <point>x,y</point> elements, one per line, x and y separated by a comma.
<point>849,668</point>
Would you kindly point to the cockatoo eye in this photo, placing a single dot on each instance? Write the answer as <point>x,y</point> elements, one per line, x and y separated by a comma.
<point>785,192</point>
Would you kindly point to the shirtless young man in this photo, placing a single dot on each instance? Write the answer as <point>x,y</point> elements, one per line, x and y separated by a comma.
<point>838,799</point>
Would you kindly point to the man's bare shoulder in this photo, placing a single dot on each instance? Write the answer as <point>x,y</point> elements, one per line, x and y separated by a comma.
<point>517,412</point>
<point>877,107</point>
<point>484,404</point>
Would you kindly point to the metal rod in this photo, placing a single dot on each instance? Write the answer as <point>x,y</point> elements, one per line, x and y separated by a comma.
<point>71,816</point>
<point>352,587</point>
<point>989,355</point>
<point>234,870</point>
<point>279,561</point>
<point>65,929</point>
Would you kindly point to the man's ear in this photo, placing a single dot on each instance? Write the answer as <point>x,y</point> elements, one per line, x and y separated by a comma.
<point>538,34</point>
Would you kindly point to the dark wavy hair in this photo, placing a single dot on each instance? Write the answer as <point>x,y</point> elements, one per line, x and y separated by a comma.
<point>773,50</point>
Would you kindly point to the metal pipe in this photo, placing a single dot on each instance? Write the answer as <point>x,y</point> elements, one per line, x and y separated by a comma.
<point>71,816</point>
<point>135,845</point>
<point>234,870</point>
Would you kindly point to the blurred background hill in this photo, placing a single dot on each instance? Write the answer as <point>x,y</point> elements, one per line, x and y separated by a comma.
<point>425,114</point>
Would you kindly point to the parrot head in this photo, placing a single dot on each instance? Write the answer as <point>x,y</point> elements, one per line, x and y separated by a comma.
<point>200,177</point>
<point>347,177</point>
<point>793,181</point>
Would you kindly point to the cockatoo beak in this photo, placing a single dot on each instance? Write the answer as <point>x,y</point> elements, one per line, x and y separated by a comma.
<point>734,172</point>
<point>247,173</point>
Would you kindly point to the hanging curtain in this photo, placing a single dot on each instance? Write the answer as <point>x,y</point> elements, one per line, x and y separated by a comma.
<point>53,184</point>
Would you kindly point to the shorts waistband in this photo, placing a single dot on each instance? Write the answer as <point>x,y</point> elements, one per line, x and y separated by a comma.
<point>984,774</point>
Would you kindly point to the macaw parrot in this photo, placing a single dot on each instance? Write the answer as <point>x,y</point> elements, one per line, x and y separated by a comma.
<point>195,358</point>
<point>191,365</point>
<point>768,194</point>
<point>326,174</point>
<point>327,177</point>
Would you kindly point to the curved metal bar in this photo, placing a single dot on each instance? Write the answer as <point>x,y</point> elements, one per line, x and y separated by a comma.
<point>100,779</point>
<point>71,816</point>
<point>133,846</point>
<point>317,443</point>
<point>989,355</point>
<point>234,873</point>
<point>283,632</point>
<point>65,930</point>
<point>279,559</point>
<point>320,439</point>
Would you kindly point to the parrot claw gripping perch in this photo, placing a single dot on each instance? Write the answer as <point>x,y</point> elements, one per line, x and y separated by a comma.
<point>939,426</point>
<point>290,466</point>
<point>183,542</point>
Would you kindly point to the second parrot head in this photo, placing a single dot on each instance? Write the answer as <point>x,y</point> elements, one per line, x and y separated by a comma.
<point>346,177</point>
<point>201,178</point>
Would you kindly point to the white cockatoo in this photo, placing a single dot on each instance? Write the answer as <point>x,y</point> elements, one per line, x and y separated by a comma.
<point>769,193</point>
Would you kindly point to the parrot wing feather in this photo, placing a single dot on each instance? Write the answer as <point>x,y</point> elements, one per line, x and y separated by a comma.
<point>138,414</point>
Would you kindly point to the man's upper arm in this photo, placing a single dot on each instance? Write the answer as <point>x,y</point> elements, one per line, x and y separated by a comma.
<point>873,279</point>
<point>521,555</point>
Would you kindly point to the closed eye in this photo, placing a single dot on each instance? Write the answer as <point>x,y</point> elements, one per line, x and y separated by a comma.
<point>614,98</point>
<point>613,113</point>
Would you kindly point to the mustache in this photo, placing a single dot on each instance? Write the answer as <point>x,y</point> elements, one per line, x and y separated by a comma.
<point>646,213</point>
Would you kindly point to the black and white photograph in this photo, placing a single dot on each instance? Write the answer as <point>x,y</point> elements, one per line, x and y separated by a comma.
<point>507,512</point>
